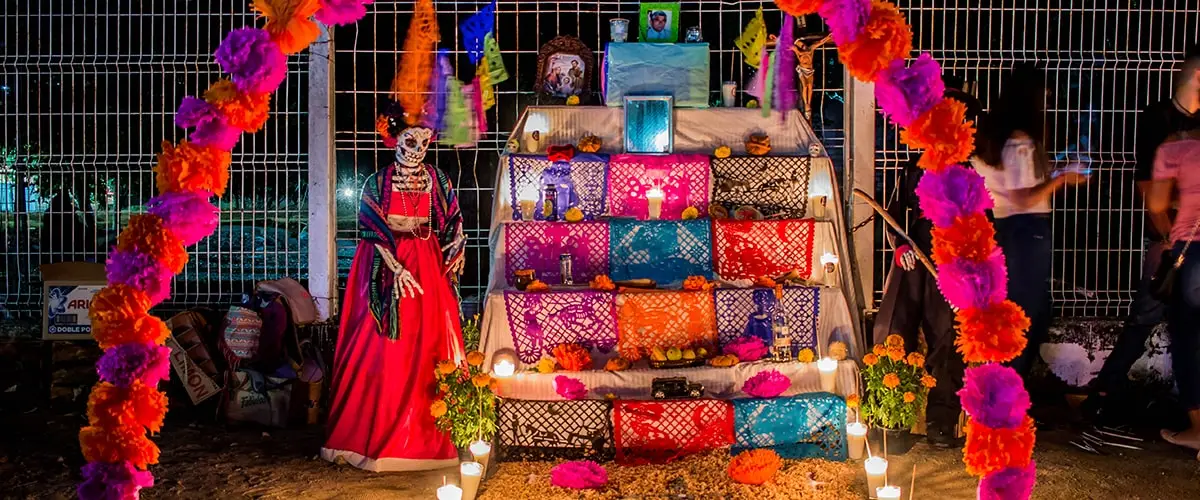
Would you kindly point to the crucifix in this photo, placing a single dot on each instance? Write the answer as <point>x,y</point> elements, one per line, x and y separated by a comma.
<point>805,48</point>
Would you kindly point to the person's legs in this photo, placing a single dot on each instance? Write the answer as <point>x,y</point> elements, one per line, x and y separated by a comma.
<point>1183,325</point>
<point>945,364</point>
<point>1028,250</point>
<point>902,307</point>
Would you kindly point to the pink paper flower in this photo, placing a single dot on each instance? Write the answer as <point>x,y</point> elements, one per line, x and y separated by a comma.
<point>117,481</point>
<point>1008,483</point>
<point>254,61</point>
<point>747,349</point>
<point>767,384</point>
<point>905,93</point>
<point>188,215</point>
<point>569,388</point>
<point>342,12</point>
<point>952,192</point>
<point>994,396</point>
<point>579,475</point>
<point>209,126</point>
<point>967,284</point>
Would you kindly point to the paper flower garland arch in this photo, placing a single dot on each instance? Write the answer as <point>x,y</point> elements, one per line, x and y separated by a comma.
<point>1000,437</point>
<point>126,403</point>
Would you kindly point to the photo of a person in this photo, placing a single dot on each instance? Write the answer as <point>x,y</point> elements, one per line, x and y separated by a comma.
<point>656,27</point>
<point>564,75</point>
<point>660,22</point>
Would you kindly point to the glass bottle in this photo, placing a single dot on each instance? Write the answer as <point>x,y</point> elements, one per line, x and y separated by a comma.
<point>781,338</point>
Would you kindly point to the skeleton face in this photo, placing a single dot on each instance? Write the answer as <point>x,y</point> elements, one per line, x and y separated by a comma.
<point>412,145</point>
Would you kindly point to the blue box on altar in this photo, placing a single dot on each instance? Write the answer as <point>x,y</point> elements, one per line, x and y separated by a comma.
<point>679,70</point>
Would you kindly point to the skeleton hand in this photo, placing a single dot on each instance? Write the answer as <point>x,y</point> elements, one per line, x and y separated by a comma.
<point>906,258</point>
<point>404,285</point>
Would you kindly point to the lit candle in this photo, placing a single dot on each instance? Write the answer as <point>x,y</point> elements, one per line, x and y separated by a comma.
<point>472,473</point>
<point>829,263</point>
<point>876,473</point>
<point>449,492</point>
<point>819,203</point>
<point>503,368</point>
<point>481,450</point>
<point>856,438</point>
<point>654,201</point>
<point>528,202</point>
<point>888,493</point>
<point>828,369</point>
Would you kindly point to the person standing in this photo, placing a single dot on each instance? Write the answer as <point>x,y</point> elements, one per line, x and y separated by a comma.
<point>1011,157</point>
<point>1157,123</point>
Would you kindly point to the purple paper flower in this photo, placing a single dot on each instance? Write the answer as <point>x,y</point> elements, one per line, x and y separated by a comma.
<point>1009,483</point>
<point>967,284</point>
<point>579,475</point>
<point>747,348</point>
<point>569,388</point>
<point>188,215</point>
<point>767,384</point>
<point>342,12</point>
<point>906,93</point>
<point>209,126</point>
<point>993,395</point>
<point>952,192</point>
<point>140,271</point>
<point>846,18</point>
<point>125,363</point>
<point>254,61</point>
<point>119,481</point>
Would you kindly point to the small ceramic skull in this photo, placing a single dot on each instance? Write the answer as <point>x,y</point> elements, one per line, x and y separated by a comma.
<point>412,145</point>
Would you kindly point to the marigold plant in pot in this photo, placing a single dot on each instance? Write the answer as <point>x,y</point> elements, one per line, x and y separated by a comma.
<point>896,387</point>
<point>465,405</point>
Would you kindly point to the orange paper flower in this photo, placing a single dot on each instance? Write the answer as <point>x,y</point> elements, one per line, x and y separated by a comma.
<point>475,358</point>
<point>289,22</point>
<point>870,359</point>
<point>916,359</point>
<point>909,397</point>
<point>115,303</point>
<point>602,283</point>
<point>446,367</point>
<point>138,405</point>
<point>891,381</point>
<point>145,234</point>
<point>438,408</point>
<point>244,110</point>
<point>756,466</point>
<point>995,334</point>
<point>989,450</point>
<point>189,167</point>
<point>885,38</point>
<point>928,381</point>
<point>144,328</point>
<point>116,444</point>
<point>696,284</point>
<point>943,133</point>
<point>970,237</point>
<point>573,357</point>
<point>852,401</point>
<point>799,7</point>
<point>537,286</point>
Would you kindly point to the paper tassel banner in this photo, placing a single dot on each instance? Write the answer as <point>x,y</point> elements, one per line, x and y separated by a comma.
<point>456,129</point>
<point>416,65</point>
<point>497,72</point>
<point>786,96</point>
<point>476,29</point>
<point>752,40</point>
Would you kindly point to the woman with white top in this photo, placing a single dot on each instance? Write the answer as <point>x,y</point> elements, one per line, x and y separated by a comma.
<point>1011,157</point>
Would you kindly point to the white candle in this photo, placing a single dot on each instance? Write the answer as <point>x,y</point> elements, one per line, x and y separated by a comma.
<point>819,203</point>
<point>654,201</point>
<point>449,492</point>
<point>829,264</point>
<point>503,368</point>
<point>527,209</point>
<point>481,450</point>
<point>828,369</point>
<point>856,438</point>
<point>888,493</point>
<point>876,473</point>
<point>472,473</point>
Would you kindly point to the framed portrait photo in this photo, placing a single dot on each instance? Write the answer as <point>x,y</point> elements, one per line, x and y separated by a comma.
<point>658,22</point>
<point>565,67</point>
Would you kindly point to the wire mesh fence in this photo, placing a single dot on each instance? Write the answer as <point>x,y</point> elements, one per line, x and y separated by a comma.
<point>87,92</point>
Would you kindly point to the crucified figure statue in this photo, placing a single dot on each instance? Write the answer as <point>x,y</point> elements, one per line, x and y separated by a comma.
<point>804,48</point>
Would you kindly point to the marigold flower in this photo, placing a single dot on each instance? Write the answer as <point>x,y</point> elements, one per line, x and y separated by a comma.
<point>754,466</point>
<point>916,359</point>
<point>602,283</point>
<point>475,358</point>
<point>482,380</point>
<point>805,356</point>
<point>928,381</point>
<point>852,401</point>
<point>891,381</point>
<point>909,397</point>
<point>438,408</point>
<point>870,359</point>
<point>444,387</point>
<point>879,350</point>
<point>894,340</point>
<point>545,365</point>
<point>896,353</point>
<point>446,367</point>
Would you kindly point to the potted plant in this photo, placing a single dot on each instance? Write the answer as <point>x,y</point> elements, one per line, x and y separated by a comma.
<point>465,405</point>
<point>896,387</point>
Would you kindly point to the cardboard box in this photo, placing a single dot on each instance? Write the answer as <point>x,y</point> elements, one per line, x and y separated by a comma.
<point>67,294</point>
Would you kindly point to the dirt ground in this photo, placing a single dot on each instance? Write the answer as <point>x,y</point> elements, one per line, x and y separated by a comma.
<point>39,458</point>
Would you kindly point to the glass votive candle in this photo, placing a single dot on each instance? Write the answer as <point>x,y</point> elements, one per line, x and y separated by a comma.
<point>618,29</point>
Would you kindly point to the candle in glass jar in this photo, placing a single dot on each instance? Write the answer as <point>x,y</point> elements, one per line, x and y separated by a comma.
<point>828,369</point>
<point>528,206</point>
<point>856,439</point>
<point>472,473</point>
<point>503,368</point>
<point>876,473</point>
<point>654,201</point>
<point>888,493</point>
<point>819,203</point>
<point>449,492</point>
<point>829,264</point>
<point>481,450</point>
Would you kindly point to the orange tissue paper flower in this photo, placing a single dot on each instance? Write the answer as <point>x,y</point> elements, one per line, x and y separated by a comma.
<point>189,167</point>
<point>145,234</point>
<point>756,466</point>
<point>144,328</point>
<point>290,22</point>
<point>885,38</point>
<point>989,450</point>
<point>117,444</point>
<point>799,7</point>
<point>475,358</point>
<point>137,405</point>
<point>573,357</point>
<point>118,302</point>
<point>870,359</point>
<point>994,334</point>
<point>602,283</point>
<point>246,111</point>
<point>943,133</point>
<point>891,381</point>
<point>909,397</point>
<point>970,237</point>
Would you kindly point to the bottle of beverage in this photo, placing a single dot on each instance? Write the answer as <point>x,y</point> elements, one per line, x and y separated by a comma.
<point>781,339</point>
<point>550,203</point>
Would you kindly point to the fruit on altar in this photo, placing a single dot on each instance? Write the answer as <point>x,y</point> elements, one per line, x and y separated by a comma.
<point>537,286</point>
<point>689,354</point>
<point>545,365</point>
<point>657,354</point>
<point>752,104</point>
<point>723,361</point>
<point>590,144</point>
<point>638,283</point>
<point>702,352</point>
<point>722,152</point>
<point>674,354</point>
<point>758,144</point>
<point>689,213</point>
<point>574,214</point>
<point>717,211</point>
<point>573,100</point>
<point>805,355</point>
<point>696,283</point>
<point>838,351</point>
<point>602,283</point>
<point>617,364</point>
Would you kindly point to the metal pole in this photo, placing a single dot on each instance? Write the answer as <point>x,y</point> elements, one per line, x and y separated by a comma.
<point>859,173</point>
<point>322,173</point>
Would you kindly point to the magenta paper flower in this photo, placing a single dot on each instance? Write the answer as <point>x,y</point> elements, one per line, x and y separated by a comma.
<point>188,215</point>
<point>952,192</point>
<point>747,348</point>
<point>119,481</point>
<point>1008,483</point>
<point>905,93</point>
<point>767,384</point>
<point>342,12</point>
<point>209,126</point>
<point>993,395</point>
<point>569,388</point>
<point>125,363</point>
<point>579,475</point>
<point>140,271</point>
<point>967,284</point>
<point>254,61</point>
<point>846,19</point>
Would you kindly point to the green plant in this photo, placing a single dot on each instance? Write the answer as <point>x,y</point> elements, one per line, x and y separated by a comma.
<point>896,385</point>
<point>466,404</point>
<point>470,332</point>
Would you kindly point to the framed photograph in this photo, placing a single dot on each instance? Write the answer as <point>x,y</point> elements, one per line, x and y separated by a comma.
<point>565,67</point>
<point>659,22</point>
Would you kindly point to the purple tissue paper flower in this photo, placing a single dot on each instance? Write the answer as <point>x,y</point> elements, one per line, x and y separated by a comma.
<point>125,363</point>
<point>579,475</point>
<point>188,215</point>
<point>342,12</point>
<point>569,388</point>
<point>846,19</point>
<point>1008,484</point>
<point>140,271</point>
<point>209,126</point>
<point>995,396</point>
<point>254,61</point>
<point>952,192</point>
<point>967,284</point>
<point>906,93</point>
<point>767,384</point>
<point>115,481</point>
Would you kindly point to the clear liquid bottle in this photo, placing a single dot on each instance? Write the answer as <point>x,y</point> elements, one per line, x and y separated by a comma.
<point>781,338</point>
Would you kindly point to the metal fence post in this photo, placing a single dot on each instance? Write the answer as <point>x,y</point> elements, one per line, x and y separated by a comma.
<point>859,172</point>
<point>322,173</point>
